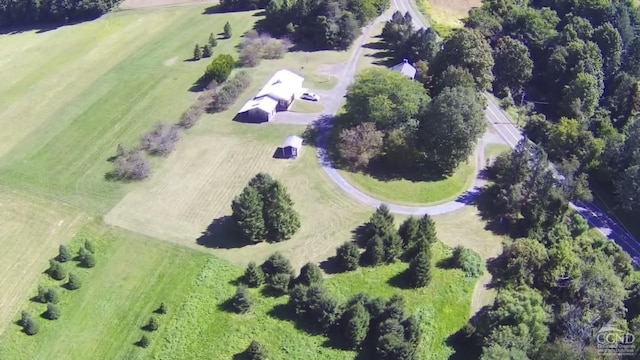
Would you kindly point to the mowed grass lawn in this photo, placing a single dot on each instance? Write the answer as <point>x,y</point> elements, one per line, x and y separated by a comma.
<point>70,95</point>
<point>409,192</point>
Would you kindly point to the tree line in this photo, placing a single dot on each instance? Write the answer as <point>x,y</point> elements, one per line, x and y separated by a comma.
<point>576,68</point>
<point>14,12</point>
<point>558,283</point>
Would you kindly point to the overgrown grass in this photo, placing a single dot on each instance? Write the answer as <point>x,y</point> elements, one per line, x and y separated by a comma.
<point>410,192</point>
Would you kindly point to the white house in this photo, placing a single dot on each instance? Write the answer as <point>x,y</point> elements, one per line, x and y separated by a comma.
<point>291,147</point>
<point>405,68</point>
<point>277,95</point>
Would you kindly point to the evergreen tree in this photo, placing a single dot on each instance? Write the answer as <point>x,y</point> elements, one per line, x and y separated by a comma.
<point>212,40</point>
<point>247,211</point>
<point>279,283</point>
<point>310,273</point>
<point>227,30</point>
<point>88,244</point>
<point>42,293</point>
<point>355,322</point>
<point>347,256</point>
<point>197,52</point>
<point>409,232</point>
<point>281,220</point>
<point>152,324</point>
<point>162,309</point>
<point>144,341</point>
<point>29,325</point>
<point>262,182</point>
<point>277,264</point>
<point>392,244</point>
<point>420,269</point>
<point>206,51</point>
<point>256,351</point>
<point>87,259</point>
<point>253,275</point>
<point>53,311</point>
<point>74,282</point>
<point>427,229</point>
<point>52,296</point>
<point>56,270</point>
<point>380,223</point>
<point>241,301</point>
<point>64,254</point>
<point>374,254</point>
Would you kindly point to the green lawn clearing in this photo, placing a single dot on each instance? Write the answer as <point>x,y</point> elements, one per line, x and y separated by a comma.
<point>306,106</point>
<point>407,192</point>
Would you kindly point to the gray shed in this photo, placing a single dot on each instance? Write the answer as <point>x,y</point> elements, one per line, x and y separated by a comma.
<point>291,147</point>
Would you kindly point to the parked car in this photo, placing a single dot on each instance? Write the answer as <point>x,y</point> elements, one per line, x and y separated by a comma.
<point>310,96</point>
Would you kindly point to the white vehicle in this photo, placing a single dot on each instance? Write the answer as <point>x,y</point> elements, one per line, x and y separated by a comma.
<point>310,96</point>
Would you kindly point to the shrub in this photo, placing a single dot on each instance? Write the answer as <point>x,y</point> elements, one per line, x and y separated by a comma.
<point>88,244</point>
<point>152,324</point>
<point>253,275</point>
<point>197,53</point>
<point>250,54</point>
<point>64,254</point>
<point>74,282</point>
<point>347,256</point>
<point>42,293</point>
<point>161,140</point>
<point>52,296</point>
<point>227,30</point>
<point>162,309</point>
<point>220,68</point>
<point>229,92</point>
<point>29,325</point>
<point>256,351</point>
<point>277,264</point>
<point>132,166</point>
<point>310,273</point>
<point>56,270</point>
<point>144,341</point>
<point>241,302</point>
<point>274,49</point>
<point>206,51</point>
<point>279,283</point>
<point>469,261</point>
<point>53,311</point>
<point>87,259</point>
<point>212,40</point>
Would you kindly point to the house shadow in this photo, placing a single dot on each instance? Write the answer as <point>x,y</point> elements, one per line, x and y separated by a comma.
<point>222,233</point>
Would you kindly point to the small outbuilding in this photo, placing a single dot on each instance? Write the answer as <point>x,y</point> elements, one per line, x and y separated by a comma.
<point>291,147</point>
<point>405,69</point>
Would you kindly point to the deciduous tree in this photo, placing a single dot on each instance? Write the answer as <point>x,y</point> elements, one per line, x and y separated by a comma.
<point>360,144</point>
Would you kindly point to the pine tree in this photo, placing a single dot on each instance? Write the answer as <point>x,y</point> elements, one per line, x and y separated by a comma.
<point>241,301</point>
<point>64,254</point>
<point>162,309</point>
<point>347,256</point>
<point>427,229</point>
<point>152,324</point>
<point>212,40</point>
<point>56,270</point>
<point>262,182</point>
<point>281,220</point>
<point>88,244</point>
<point>206,51</point>
<point>87,259</point>
<point>380,222</point>
<point>42,294</point>
<point>392,244</point>
<point>277,264</point>
<point>29,325</point>
<point>409,232</point>
<point>74,282</point>
<point>374,254</point>
<point>310,273</point>
<point>253,276</point>
<point>355,322</point>
<point>227,30</point>
<point>53,311</point>
<point>144,341</point>
<point>420,269</point>
<point>256,351</point>
<point>279,283</point>
<point>247,209</point>
<point>197,53</point>
<point>52,296</point>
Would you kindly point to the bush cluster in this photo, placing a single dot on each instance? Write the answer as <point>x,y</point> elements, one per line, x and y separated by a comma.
<point>130,165</point>
<point>257,46</point>
<point>161,140</point>
<point>469,261</point>
<point>220,68</point>
<point>229,92</point>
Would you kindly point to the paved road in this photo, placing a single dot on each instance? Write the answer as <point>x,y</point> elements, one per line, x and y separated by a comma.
<point>596,217</point>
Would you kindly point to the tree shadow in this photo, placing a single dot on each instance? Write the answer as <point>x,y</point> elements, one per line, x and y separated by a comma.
<point>226,306</point>
<point>200,84</point>
<point>401,280</point>
<point>361,235</point>
<point>464,341</point>
<point>446,263</point>
<point>270,292</point>
<point>331,266</point>
<point>284,313</point>
<point>42,27</point>
<point>222,233</point>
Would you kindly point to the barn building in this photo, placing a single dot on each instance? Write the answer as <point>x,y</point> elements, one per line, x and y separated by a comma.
<point>292,147</point>
<point>277,95</point>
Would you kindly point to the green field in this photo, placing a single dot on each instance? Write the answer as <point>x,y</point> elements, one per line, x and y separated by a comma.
<point>408,192</point>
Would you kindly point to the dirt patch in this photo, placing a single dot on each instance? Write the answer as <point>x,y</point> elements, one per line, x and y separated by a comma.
<point>137,4</point>
<point>170,61</point>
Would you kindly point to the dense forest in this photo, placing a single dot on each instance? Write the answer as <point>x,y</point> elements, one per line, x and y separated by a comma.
<point>319,24</point>
<point>576,66</point>
<point>23,12</point>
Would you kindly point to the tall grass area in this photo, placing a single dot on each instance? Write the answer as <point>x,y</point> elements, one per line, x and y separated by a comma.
<point>134,274</point>
<point>74,93</point>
